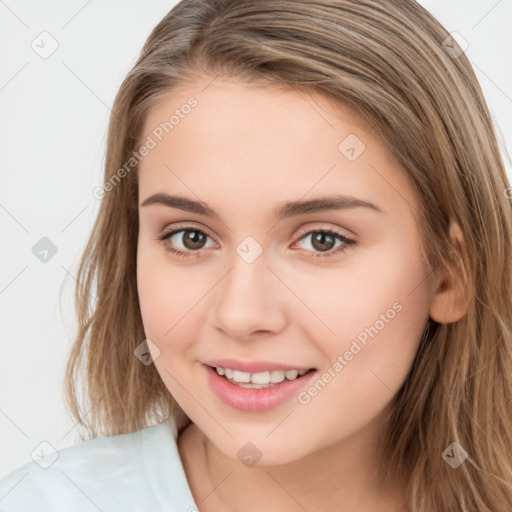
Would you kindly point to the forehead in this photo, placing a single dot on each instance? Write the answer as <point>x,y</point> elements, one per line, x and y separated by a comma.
<point>265,144</point>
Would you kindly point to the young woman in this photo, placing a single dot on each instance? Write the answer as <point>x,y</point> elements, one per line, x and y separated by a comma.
<point>303,269</point>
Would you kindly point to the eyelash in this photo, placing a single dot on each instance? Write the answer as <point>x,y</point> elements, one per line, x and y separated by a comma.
<point>348,242</point>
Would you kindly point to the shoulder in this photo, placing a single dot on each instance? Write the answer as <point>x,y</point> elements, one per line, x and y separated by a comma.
<point>134,471</point>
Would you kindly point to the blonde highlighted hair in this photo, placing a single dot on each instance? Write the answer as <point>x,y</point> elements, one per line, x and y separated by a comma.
<point>386,60</point>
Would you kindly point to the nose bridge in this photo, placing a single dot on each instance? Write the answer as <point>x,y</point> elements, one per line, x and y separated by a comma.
<point>246,299</point>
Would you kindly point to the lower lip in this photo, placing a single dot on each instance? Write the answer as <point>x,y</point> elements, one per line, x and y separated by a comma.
<point>254,399</point>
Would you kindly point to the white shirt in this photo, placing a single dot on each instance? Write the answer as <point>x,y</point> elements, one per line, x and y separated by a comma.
<point>139,471</point>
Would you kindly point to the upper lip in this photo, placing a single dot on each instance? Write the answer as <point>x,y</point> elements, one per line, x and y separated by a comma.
<point>254,366</point>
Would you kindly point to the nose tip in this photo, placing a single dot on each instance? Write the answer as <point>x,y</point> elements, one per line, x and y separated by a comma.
<point>246,305</point>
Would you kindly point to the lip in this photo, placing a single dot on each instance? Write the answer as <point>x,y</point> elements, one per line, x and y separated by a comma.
<point>254,366</point>
<point>253,399</point>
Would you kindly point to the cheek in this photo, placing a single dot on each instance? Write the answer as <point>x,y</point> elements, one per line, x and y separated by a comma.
<point>169,308</point>
<point>377,313</point>
<point>374,309</point>
<point>153,291</point>
<point>161,294</point>
<point>170,302</point>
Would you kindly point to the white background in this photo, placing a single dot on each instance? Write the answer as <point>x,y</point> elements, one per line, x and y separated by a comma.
<point>54,115</point>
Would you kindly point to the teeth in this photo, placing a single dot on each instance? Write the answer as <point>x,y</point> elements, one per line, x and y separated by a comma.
<point>241,376</point>
<point>260,379</point>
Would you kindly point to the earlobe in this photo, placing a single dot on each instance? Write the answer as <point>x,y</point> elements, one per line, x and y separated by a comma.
<point>451,299</point>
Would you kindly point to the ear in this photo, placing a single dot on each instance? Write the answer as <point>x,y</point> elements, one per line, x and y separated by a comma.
<point>451,298</point>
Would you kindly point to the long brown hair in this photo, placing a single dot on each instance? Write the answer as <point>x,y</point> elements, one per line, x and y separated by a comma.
<point>390,61</point>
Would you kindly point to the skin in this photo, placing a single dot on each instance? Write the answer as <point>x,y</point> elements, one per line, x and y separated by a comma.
<point>244,150</point>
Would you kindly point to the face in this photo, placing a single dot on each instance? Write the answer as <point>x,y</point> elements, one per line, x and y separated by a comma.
<point>337,287</point>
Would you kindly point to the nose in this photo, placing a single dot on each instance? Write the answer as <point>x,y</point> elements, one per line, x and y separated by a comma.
<point>250,300</point>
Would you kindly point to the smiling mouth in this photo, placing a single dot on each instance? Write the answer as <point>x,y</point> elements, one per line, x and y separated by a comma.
<point>260,380</point>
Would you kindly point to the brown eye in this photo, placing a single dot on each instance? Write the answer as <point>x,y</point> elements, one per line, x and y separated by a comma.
<point>323,242</point>
<point>192,239</point>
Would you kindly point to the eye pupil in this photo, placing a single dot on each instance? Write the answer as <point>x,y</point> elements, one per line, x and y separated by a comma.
<point>195,238</point>
<point>320,243</point>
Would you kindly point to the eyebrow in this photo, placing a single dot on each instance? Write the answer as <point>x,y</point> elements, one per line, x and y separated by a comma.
<point>287,209</point>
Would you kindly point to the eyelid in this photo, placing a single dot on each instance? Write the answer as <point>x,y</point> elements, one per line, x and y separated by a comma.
<point>348,241</point>
<point>325,227</point>
<point>184,227</point>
